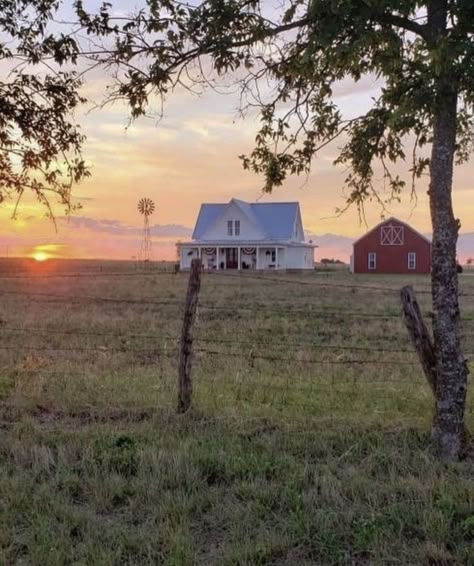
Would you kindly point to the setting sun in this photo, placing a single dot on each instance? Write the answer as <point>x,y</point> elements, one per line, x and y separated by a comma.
<point>40,256</point>
<point>43,252</point>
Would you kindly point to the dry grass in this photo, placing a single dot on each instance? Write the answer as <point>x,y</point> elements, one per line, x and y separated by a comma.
<point>308,441</point>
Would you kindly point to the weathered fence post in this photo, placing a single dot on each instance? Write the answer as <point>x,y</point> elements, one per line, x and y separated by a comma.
<point>186,344</point>
<point>419,335</point>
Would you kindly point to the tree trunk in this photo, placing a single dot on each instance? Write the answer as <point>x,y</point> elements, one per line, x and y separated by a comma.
<point>448,432</point>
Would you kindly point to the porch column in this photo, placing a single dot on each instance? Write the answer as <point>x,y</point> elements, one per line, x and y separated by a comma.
<point>217,257</point>
<point>257,254</point>
<point>239,265</point>
<point>276,258</point>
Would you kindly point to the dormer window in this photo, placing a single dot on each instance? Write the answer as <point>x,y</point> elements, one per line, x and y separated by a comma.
<point>233,227</point>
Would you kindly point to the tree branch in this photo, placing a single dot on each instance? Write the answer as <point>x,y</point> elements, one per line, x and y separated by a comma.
<point>405,24</point>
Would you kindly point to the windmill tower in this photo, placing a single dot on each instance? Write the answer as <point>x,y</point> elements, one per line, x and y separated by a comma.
<point>146,208</point>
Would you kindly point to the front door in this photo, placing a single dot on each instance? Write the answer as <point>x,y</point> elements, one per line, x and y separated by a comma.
<point>231,258</point>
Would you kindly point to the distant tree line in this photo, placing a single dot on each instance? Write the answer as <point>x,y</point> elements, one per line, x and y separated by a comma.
<point>331,261</point>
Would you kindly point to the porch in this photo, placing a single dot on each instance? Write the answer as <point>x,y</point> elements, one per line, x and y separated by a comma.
<point>233,257</point>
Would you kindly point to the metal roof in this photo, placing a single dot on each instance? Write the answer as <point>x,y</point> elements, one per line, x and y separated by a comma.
<point>276,220</point>
<point>392,220</point>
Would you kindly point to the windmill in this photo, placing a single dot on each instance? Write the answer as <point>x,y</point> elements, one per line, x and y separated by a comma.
<point>146,208</point>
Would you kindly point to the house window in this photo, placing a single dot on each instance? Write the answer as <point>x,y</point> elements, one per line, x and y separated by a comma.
<point>273,256</point>
<point>412,260</point>
<point>233,227</point>
<point>372,260</point>
<point>391,236</point>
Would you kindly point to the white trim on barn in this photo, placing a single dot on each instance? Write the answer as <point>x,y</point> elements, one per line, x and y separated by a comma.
<point>270,236</point>
<point>396,223</point>
<point>411,260</point>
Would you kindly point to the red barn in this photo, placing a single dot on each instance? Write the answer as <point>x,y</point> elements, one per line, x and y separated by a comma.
<point>391,247</point>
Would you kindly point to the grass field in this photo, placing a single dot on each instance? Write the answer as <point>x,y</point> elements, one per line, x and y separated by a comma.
<point>307,441</point>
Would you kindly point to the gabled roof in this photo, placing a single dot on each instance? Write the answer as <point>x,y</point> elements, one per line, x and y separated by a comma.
<point>276,220</point>
<point>386,221</point>
<point>208,214</point>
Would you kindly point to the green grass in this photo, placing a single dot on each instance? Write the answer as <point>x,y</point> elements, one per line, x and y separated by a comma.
<point>278,462</point>
<point>197,489</point>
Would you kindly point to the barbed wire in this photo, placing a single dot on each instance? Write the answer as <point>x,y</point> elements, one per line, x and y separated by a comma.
<point>249,357</point>
<point>215,274</point>
<point>151,273</point>
<point>313,284</point>
<point>84,274</point>
<point>310,387</point>
<point>246,356</point>
<point>46,332</point>
<point>255,309</point>
<point>209,315</point>
<point>313,382</point>
<point>98,273</point>
<point>310,384</point>
<point>352,286</point>
<point>93,298</point>
<point>276,343</point>
<point>256,355</point>
<point>101,349</point>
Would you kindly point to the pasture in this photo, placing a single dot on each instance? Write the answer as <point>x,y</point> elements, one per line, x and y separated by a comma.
<point>307,441</point>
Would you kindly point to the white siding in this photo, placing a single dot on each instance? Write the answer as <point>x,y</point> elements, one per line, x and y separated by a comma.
<point>287,257</point>
<point>299,257</point>
<point>218,231</point>
<point>267,258</point>
<point>187,254</point>
<point>298,232</point>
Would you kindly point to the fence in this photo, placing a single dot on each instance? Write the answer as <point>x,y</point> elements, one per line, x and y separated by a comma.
<point>264,341</point>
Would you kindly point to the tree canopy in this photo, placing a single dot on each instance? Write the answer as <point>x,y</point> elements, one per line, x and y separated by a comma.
<point>39,143</point>
<point>287,61</point>
<point>304,48</point>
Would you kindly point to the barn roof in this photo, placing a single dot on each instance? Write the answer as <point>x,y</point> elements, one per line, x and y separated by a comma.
<point>388,220</point>
<point>275,219</point>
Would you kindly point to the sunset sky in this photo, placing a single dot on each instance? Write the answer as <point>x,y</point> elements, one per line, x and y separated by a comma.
<point>190,157</point>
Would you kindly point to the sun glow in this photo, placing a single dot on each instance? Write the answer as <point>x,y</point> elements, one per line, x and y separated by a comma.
<point>41,256</point>
<point>43,252</point>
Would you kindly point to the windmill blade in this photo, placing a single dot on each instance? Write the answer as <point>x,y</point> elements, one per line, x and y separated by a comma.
<point>146,206</point>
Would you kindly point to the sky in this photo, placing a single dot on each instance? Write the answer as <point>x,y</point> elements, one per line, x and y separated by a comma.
<point>188,157</point>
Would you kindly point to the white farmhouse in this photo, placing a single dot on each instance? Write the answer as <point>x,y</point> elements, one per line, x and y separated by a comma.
<point>241,235</point>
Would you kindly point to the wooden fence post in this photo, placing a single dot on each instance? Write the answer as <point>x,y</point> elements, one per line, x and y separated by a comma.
<point>419,335</point>
<point>186,344</point>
